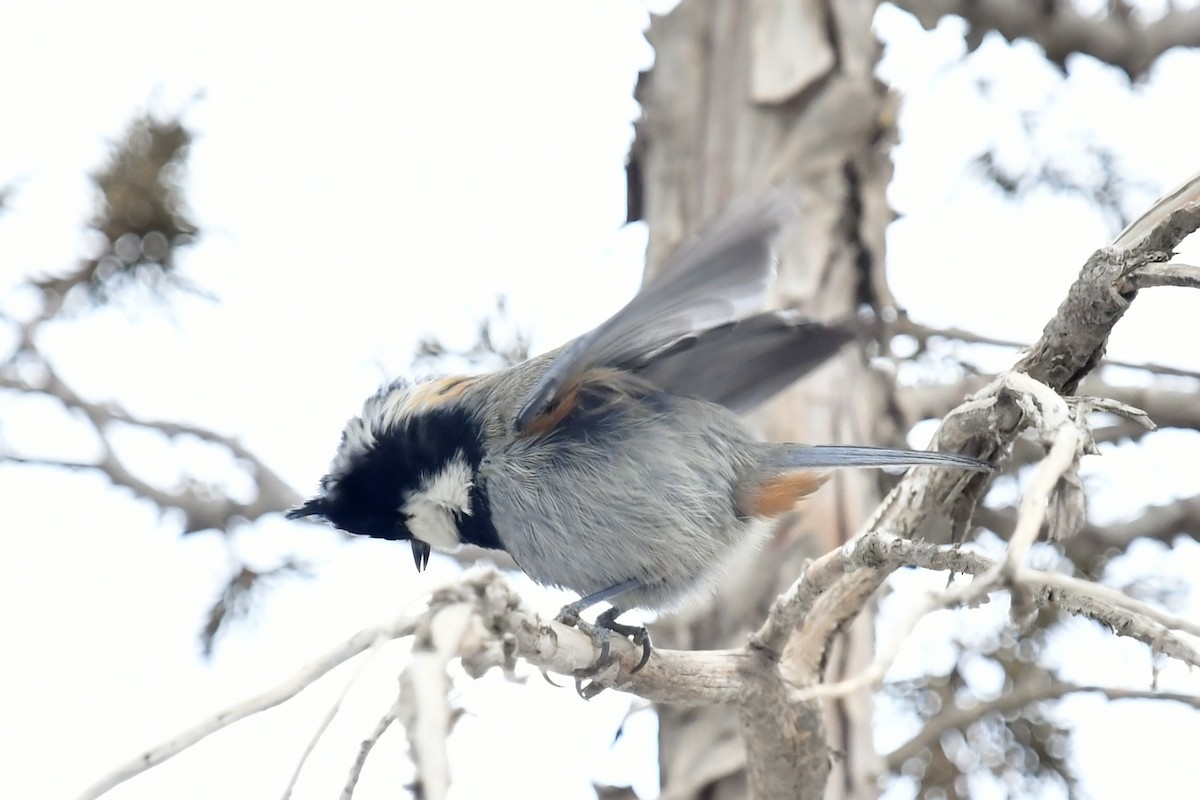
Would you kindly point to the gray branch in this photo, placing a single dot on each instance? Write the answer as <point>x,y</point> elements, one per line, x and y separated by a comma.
<point>202,510</point>
<point>1011,701</point>
<point>1119,37</point>
<point>483,620</point>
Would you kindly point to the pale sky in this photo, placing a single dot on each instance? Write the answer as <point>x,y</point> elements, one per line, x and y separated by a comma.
<point>367,174</point>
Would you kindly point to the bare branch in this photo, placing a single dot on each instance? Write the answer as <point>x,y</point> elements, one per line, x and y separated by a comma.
<point>1063,456</point>
<point>1072,343</point>
<point>1158,523</point>
<point>1173,217</point>
<point>487,625</point>
<point>38,461</point>
<point>368,744</point>
<point>268,699</point>
<point>904,324</point>
<point>1087,594</point>
<point>902,511</point>
<point>1172,274</point>
<point>1110,406</point>
<point>1169,408</point>
<point>924,334</point>
<point>1166,408</point>
<point>1099,183</point>
<point>202,511</point>
<point>324,724</point>
<point>1013,700</point>
<point>1150,366</point>
<point>1071,346</point>
<point>424,702</point>
<point>1119,39</point>
<point>1094,543</point>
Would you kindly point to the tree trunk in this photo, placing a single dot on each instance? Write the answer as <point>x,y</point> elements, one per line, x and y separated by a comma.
<point>744,95</point>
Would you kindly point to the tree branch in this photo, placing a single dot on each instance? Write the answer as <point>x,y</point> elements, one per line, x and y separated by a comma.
<point>424,697</point>
<point>1063,456</point>
<point>1157,523</point>
<point>1173,274</point>
<point>1169,408</point>
<point>484,621</point>
<point>1012,700</point>
<point>1117,38</point>
<point>1071,345</point>
<point>202,511</point>
<point>361,641</point>
<point>368,744</point>
<point>923,334</point>
<point>324,725</point>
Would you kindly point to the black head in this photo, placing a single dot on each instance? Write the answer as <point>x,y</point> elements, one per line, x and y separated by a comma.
<point>384,528</point>
<point>388,455</point>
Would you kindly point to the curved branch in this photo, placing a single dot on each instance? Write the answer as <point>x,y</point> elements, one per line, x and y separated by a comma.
<point>1144,277</point>
<point>484,621</point>
<point>364,751</point>
<point>1159,523</point>
<point>1115,38</point>
<point>1013,700</point>
<point>268,699</point>
<point>1169,408</point>
<point>202,511</point>
<point>1070,347</point>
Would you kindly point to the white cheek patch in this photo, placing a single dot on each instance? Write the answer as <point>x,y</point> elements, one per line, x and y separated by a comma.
<point>433,509</point>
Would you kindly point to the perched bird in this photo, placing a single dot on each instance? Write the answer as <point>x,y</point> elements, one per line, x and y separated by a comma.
<point>615,466</point>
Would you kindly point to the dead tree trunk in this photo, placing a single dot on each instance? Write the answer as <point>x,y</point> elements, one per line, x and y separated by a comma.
<point>743,95</point>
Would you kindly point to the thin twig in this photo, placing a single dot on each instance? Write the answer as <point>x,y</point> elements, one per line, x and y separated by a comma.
<point>201,512</point>
<point>1031,514</point>
<point>687,678</point>
<point>1107,596</point>
<point>368,744</point>
<point>1015,699</point>
<point>268,699</point>
<point>1063,454</point>
<point>376,648</point>
<point>923,333</point>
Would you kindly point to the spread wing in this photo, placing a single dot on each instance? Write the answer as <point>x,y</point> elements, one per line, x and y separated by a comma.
<point>741,364</point>
<point>717,279</point>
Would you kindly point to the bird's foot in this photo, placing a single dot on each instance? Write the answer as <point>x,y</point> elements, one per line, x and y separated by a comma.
<point>635,633</point>
<point>600,633</point>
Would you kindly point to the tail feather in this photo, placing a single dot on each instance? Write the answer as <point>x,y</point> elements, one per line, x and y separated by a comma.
<point>799,456</point>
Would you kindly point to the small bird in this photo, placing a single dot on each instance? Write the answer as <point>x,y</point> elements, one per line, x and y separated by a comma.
<point>615,466</point>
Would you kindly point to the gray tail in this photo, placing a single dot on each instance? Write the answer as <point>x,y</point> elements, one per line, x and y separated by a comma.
<point>800,456</point>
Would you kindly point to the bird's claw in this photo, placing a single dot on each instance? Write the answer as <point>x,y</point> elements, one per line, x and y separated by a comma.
<point>606,659</point>
<point>600,633</point>
<point>635,633</point>
<point>587,690</point>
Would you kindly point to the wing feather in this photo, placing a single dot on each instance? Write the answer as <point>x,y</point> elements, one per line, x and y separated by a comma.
<point>742,364</point>
<point>718,278</point>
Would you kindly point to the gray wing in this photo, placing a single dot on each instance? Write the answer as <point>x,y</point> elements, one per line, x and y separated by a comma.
<point>718,278</point>
<point>744,363</point>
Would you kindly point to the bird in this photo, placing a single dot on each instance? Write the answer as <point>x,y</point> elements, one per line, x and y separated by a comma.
<point>617,466</point>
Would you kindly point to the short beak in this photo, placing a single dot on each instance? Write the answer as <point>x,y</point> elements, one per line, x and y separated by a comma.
<point>313,508</point>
